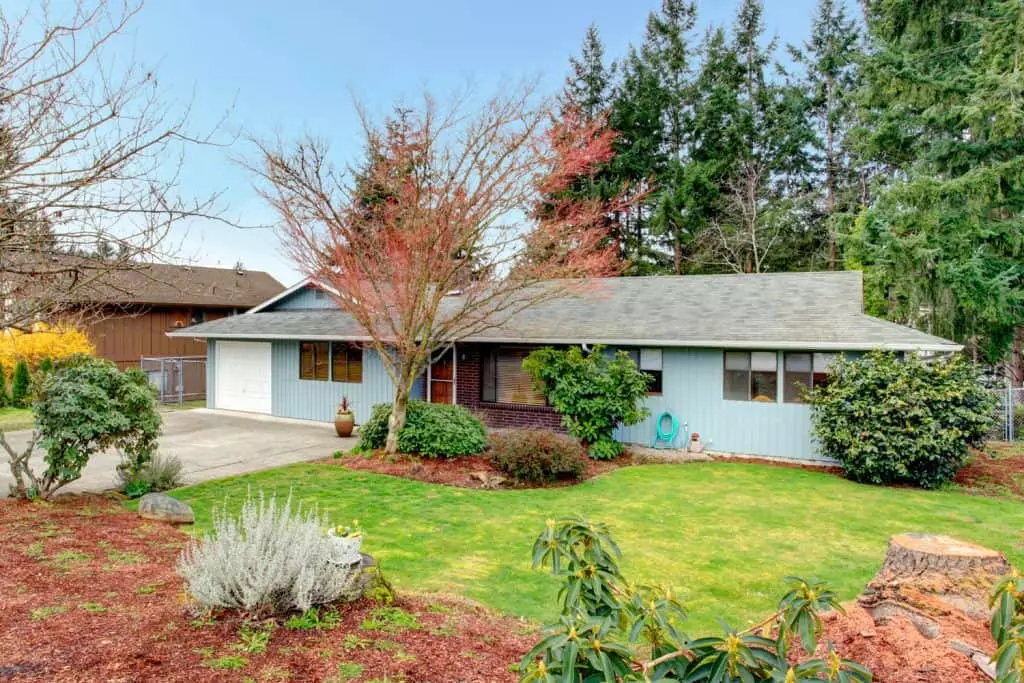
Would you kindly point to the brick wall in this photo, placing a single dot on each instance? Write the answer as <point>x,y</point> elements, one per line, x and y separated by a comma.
<point>496,415</point>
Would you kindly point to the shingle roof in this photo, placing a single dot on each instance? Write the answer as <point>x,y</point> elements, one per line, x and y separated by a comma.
<point>785,310</point>
<point>159,283</point>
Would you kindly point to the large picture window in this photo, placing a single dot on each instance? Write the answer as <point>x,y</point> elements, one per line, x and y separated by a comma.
<point>751,376</point>
<point>503,380</point>
<point>803,371</point>
<point>346,362</point>
<point>313,360</point>
<point>649,361</point>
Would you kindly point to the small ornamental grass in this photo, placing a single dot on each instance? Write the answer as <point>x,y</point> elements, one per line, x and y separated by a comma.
<point>269,560</point>
<point>432,430</point>
<point>537,456</point>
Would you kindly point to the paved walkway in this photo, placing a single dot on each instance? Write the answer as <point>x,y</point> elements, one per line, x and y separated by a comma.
<point>211,445</point>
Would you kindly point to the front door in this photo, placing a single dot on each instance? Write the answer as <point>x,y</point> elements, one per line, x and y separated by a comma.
<point>441,385</point>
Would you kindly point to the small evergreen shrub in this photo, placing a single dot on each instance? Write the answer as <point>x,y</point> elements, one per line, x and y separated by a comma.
<point>537,456</point>
<point>46,365</point>
<point>891,421</point>
<point>593,392</point>
<point>431,429</point>
<point>269,560</point>
<point>4,398</point>
<point>21,386</point>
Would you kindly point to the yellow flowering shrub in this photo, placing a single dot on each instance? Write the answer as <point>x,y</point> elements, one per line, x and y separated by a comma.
<point>55,342</point>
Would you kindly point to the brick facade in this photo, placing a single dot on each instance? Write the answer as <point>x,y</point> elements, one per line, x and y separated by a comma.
<point>495,415</point>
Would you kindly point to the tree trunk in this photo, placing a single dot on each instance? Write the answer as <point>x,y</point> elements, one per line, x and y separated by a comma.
<point>925,577</point>
<point>397,419</point>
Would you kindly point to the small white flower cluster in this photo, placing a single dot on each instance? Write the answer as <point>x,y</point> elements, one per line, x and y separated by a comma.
<point>267,560</point>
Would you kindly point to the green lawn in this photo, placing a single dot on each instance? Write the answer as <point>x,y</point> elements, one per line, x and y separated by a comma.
<point>724,535</point>
<point>13,419</point>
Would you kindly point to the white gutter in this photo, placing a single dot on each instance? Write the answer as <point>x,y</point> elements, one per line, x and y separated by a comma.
<point>696,343</point>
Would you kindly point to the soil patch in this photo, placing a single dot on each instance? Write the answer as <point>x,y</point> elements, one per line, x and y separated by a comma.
<point>898,653</point>
<point>996,471</point>
<point>88,592</point>
<point>467,471</point>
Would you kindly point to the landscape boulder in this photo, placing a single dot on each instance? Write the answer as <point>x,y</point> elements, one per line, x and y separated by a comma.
<point>160,506</point>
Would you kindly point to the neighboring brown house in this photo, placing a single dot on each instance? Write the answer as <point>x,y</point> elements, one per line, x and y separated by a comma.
<point>129,316</point>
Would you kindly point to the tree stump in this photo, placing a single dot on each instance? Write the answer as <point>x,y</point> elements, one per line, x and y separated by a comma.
<point>925,576</point>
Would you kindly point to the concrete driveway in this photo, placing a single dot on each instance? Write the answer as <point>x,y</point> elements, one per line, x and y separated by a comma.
<point>210,444</point>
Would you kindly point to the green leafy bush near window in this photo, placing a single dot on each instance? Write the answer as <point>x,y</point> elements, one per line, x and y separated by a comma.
<point>537,456</point>
<point>593,392</point>
<point>892,421</point>
<point>433,430</point>
<point>614,630</point>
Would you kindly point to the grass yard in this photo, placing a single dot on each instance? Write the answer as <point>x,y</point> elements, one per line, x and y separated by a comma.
<point>724,535</point>
<point>13,419</point>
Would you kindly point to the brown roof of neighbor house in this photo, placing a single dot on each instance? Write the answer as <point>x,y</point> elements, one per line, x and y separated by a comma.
<point>159,283</point>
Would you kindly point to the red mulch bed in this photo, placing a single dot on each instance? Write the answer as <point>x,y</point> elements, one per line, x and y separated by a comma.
<point>88,592</point>
<point>458,471</point>
<point>998,470</point>
<point>898,653</point>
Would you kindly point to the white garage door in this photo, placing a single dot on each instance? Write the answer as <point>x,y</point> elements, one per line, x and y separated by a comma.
<point>243,376</point>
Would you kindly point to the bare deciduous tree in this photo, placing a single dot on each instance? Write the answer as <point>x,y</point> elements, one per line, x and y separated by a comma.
<point>90,158</point>
<point>743,242</point>
<point>443,232</point>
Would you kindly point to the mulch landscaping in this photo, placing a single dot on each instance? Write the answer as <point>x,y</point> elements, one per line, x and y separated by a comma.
<point>466,471</point>
<point>88,592</point>
<point>996,471</point>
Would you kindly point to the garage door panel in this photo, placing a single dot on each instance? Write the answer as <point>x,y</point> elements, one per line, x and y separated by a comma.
<point>243,376</point>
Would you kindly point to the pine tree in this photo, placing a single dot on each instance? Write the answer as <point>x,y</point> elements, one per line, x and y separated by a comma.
<point>829,58</point>
<point>943,94</point>
<point>588,86</point>
<point>21,386</point>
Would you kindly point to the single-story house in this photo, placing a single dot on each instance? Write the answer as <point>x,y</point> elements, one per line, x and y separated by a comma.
<point>727,355</point>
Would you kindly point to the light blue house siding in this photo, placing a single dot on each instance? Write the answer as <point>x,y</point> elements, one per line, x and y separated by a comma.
<point>318,400</point>
<point>211,373</point>
<point>692,381</point>
<point>304,299</point>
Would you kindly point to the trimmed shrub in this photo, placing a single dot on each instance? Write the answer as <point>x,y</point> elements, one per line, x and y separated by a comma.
<point>21,386</point>
<point>162,473</point>
<point>537,456</point>
<point>269,560</point>
<point>433,430</point>
<point>891,421</point>
<point>593,392</point>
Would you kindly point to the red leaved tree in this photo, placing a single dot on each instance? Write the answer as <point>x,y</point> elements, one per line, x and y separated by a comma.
<point>449,226</point>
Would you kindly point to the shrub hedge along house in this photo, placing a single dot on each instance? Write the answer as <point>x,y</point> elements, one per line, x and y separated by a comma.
<point>728,355</point>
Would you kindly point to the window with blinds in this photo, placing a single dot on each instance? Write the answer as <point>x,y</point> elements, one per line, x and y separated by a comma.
<point>313,360</point>
<point>503,380</point>
<point>346,362</point>
<point>751,376</point>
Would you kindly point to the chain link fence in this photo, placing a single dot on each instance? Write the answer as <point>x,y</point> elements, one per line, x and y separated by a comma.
<point>177,379</point>
<point>1009,422</point>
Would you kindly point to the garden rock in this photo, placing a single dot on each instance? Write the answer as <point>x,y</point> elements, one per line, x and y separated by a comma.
<point>160,506</point>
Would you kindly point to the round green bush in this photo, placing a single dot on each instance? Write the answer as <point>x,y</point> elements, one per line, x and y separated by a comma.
<point>537,456</point>
<point>893,421</point>
<point>431,429</point>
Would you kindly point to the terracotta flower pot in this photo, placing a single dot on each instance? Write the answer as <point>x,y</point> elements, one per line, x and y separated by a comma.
<point>344,423</point>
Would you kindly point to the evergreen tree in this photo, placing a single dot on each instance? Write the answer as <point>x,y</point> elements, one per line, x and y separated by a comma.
<point>588,87</point>
<point>21,386</point>
<point>831,77</point>
<point>46,364</point>
<point>943,242</point>
<point>4,398</point>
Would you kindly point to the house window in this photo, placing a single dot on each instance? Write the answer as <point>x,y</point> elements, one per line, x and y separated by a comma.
<point>751,376</point>
<point>804,371</point>
<point>346,362</point>
<point>649,361</point>
<point>313,360</point>
<point>503,380</point>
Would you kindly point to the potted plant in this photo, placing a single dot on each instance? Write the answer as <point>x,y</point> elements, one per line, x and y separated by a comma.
<point>348,540</point>
<point>344,421</point>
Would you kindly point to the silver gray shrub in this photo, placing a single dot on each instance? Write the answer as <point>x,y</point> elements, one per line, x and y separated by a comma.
<point>266,560</point>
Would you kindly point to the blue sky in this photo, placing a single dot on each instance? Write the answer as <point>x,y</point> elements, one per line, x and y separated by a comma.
<point>292,67</point>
